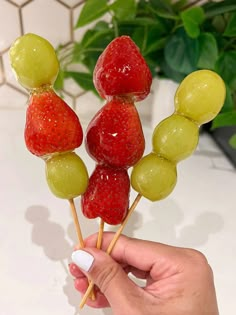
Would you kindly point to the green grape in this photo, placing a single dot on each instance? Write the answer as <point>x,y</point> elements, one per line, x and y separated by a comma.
<point>34,61</point>
<point>66,175</point>
<point>154,177</point>
<point>175,138</point>
<point>200,96</point>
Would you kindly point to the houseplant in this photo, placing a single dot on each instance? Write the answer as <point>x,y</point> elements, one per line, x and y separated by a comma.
<point>175,38</point>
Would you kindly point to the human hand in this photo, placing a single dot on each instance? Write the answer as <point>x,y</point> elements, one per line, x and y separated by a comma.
<point>179,281</point>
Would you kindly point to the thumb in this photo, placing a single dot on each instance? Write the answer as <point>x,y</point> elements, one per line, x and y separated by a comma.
<point>108,275</point>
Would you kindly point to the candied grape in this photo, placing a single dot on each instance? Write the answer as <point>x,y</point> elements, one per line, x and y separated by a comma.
<point>154,177</point>
<point>67,176</point>
<point>34,61</point>
<point>175,138</point>
<point>200,96</point>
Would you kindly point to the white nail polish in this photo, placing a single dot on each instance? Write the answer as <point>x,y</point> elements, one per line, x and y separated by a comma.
<point>82,259</point>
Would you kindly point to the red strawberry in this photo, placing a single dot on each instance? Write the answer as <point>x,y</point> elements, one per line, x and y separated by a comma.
<point>115,135</point>
<point>107,195</point>
<point>51,125</point>
<point>122,70</point>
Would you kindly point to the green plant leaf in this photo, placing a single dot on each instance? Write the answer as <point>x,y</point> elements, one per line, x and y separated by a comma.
<point>178,5</point>
<point>92,10</point>
<point>208,51</point>
<point>140,21</point>
<point>59,83</point>
<point>192,19</point>
<point>91,37</point>
<point>170,73</point>
<point>215,8</point>
<point>159,43</point>
<point>181,52</point>
<point>139,37</point>
<point>149,38</point>
<point>231,26</point>
<point>224,119</point>
<point>101,25</point>
<point>76,54</point>
<point>152,65</point>
<point>219,23</point>
<point>93,43</point>
<point>84,80</point>
<point>229,103</point>
<point>124,9</point>
<point>232,141</point>
<point>226,67</point>
<point>162,8</point>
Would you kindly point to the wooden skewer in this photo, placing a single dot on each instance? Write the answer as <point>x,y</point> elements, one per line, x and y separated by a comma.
<point>100,234</point>
<point>87,294</point>
<point>99,244</point>
<point>79,234</point>
<point>123,224</point>
<point>111,245</point>
<point>76,222</point>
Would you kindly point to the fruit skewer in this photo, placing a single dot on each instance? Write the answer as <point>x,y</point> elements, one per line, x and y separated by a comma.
<point>114,137</point>
<point>198,99</point>
<point>52,130</point>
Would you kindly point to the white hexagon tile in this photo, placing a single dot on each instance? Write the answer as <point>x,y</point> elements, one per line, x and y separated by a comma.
<point>49,19</point>
<point>9,24</point>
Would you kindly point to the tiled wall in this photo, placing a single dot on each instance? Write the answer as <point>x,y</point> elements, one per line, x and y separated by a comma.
<point>54,20</point>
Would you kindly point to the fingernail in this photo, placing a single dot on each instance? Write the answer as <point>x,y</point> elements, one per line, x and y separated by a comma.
<point>82,259</point>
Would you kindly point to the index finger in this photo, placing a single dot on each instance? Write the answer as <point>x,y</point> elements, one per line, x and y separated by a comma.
<point>141,254</point>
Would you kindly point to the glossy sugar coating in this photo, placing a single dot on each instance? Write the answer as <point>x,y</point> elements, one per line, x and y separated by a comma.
<point>66,175</point>
<point>198,99</point>
<point>121,70</point>
<point>51,125</point>
<point>34,61</point>
<point>107,195</point>
<point>114,136</point>
<point>154,177</point>
<point>175,138</point>
<point>200,96</point>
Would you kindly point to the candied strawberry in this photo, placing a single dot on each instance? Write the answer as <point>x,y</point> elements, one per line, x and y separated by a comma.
<point>107,195</point>
<point>115,136</point>
<point>51,125</point>
<point>122,70</point>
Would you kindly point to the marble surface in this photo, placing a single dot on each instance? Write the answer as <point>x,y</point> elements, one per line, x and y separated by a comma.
<point>37,234</point>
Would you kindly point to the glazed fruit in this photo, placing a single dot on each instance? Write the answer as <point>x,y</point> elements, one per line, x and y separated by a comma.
<point>52,128</point>
<point>66,175</point>
<point>154,177</point>
<point>114,136</point>
<point>198,99</point>
<point>34,61</point>
<point>51,125</point>
<point>200,96</point>
<point>175,138</point>
<point>107,195</point>
<point>122,70</point>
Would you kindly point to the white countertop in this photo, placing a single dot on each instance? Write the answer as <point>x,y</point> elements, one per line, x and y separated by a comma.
<point>37,235</point>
